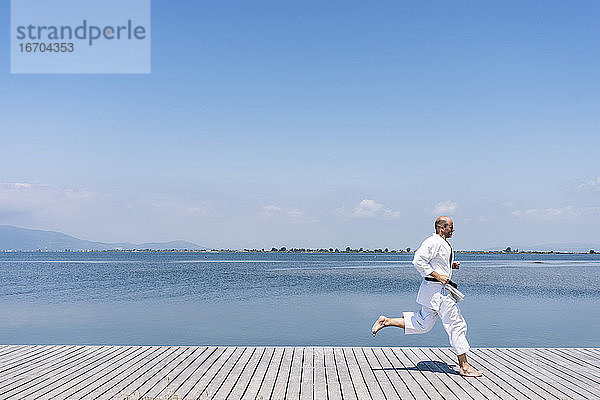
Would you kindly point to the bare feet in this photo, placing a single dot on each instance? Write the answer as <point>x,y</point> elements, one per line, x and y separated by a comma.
<point>380,323</point>
<point>470,371</point>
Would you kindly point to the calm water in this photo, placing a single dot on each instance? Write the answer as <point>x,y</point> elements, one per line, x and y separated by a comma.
<point>288,299</point>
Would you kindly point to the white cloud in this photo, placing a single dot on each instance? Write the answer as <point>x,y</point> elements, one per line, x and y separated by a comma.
<point>272,211</point>
<point>85,212</point>
<point>26,198</point>
<point>593,185</point>
<point>567,212</point>
<point>368,209</point>
<point>444,207</point>
<point>197,212</point>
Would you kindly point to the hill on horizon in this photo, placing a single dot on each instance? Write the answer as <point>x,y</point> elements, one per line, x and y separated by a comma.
<point>22,239</point>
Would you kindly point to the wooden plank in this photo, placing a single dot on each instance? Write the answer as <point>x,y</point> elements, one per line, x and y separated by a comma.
<point>294,383</point>
<point>31,376</point>
<point>85,370</point>
<point>57,379</point>
<point>132,376</point>
<point>433,377</point>
<point>122,373</point>
<point>584,352</point>
<point>346,387</point>
<point>479,383</point>
<point>259,375</point>
<point>460,386</point>
<point>525,367</point>
<point>401,387</point>
<point>274,369</point>
<point>283,376</point>
<point>358,380</point>
<point>590,365</point>
<point>369,377</point>
<point>579,364</point>
<point>518,371</point>
<point>237,364</point>
<point>9,352</point>
<point>584,356</point>
<point>186,371</point>
<point>334,389</point>
<point>400,374</point>
<point>17,369</point>
<point>510,384</point>
<point>199,379</point>
<point>180,373</point>
<point>320,383</point>
<point>552,368</point>
<point>406,365</point>
<point>165,373</point>
<point>577,381</point>
<point>450,377</point>
<point>488,379</point>
<point>148,375</point>
<point>11,349</point>
<point>15,351</point>
<point>110,372</point>
<point>386,385</point>
<point>241,375</point>
<point>503,376</point>
<point>595,350</point>
<point>49,376</point>
<point>24,357</point>
<point>307,378</point>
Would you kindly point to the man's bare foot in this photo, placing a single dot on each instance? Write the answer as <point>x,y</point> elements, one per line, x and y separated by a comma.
<point>380,323</point>
<point>470,371</point>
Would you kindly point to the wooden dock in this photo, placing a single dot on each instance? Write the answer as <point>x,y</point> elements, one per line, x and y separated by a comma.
<point>317,373</point>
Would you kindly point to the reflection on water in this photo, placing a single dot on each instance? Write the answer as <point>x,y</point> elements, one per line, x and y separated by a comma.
<point>288,299</point>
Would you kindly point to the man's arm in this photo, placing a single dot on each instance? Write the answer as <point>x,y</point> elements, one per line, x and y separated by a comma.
<point>423,257</point>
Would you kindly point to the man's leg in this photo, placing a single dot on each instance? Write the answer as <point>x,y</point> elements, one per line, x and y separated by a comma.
<point>419,322</point>
<point>456,327</point>
<point>383,321</point>
<point>465,368</point>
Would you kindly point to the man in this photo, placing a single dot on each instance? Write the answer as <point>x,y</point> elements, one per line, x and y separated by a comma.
<point>435,261</point>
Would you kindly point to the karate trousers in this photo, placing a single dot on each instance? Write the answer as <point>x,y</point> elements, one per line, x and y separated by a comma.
<point>441,305</point>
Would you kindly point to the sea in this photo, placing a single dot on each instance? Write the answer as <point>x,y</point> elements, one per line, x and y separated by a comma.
<point>288,299</point>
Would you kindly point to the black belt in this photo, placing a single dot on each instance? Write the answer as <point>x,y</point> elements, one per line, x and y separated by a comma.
<point>432,279</point>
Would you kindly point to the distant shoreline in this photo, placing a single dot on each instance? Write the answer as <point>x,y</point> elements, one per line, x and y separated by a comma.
<point>304,251</point>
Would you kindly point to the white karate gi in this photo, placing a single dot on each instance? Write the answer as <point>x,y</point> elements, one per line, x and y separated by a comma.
<point>436,254</point>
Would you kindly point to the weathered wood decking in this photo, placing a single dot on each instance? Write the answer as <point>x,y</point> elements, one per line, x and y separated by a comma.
<point>318,373</point>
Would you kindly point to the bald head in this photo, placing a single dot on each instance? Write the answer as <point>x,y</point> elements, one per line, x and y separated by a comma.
<point>442,222</point>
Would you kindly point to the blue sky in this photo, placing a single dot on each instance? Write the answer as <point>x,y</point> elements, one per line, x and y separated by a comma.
<point>319,124</point>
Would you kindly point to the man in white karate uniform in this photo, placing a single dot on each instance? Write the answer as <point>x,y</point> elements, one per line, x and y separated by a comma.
<point>435,261</point>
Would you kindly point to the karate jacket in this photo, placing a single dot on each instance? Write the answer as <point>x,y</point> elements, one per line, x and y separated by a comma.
<point>434,254</point>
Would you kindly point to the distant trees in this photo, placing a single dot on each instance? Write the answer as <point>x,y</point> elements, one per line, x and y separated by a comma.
<point>592,252</point>
<point>348,249</point>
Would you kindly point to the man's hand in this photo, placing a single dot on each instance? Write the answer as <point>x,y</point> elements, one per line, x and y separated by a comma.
<point>441,278</point>
<point>455,264</point>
